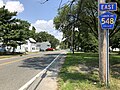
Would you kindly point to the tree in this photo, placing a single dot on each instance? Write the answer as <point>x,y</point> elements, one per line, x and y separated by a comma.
<point>20,33</point>
<point>13,31</point>
<point>44,36</point>
<point>6,21</point>
<point>77,16</point>
<point>85,14</point>
<point>32,33</point>
<point>115,41</point>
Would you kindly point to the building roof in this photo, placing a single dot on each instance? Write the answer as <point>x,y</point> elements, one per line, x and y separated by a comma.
<point>32,40</point>
<point>47,42</point>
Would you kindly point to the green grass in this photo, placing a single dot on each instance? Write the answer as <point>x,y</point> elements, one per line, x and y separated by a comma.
<point>80,72</point>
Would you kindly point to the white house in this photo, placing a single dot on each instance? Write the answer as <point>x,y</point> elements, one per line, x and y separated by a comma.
<point>21,48</point>
<point>30,46</point>
<point>115,49</point>
<point>43,45</point>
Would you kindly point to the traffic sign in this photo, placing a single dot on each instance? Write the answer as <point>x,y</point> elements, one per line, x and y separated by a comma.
<point>108,7</point>
<point>107,20</point>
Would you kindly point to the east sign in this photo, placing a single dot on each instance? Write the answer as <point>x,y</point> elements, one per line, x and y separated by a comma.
<point>108,7</point>
<point>107,19</point>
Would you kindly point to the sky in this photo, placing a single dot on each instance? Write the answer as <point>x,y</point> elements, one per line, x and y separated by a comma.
<point>38,13</point>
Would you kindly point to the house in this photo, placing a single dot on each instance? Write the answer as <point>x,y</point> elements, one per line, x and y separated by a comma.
<point>43,46</point>
<point>114,49</point>
<point>21,48</point>
<point>30,46</point>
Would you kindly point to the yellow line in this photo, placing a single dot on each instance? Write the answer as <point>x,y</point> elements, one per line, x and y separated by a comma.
<point>10,62</point>
<point>2,59</point>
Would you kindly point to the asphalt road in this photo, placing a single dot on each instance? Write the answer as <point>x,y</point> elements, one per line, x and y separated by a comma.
<point>15,72</point>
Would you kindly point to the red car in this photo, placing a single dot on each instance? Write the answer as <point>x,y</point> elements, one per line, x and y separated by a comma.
<point>50,49</point>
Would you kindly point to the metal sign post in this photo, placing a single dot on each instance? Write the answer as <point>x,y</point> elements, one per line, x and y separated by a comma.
<point>107,58</point>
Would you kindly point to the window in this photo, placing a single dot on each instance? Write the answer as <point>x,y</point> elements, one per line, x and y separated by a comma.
<point>33,48</point>
<point>48,45</point>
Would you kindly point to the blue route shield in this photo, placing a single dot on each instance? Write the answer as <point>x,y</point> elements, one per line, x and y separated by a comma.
<point>107,20</point>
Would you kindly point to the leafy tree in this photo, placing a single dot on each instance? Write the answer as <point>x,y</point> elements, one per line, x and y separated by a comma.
<point>32,33</point>
<point>13,31</point>
<point>84,13</point>
<point>6,21</point>
<point>115,41</point>
<point>79,15</point>
<point>44,36</point>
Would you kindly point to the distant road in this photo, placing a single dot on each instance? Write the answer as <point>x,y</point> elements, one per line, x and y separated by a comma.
<point>15,72</point>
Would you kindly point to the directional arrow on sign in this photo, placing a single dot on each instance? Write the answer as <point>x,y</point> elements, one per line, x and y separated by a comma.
<point>107,20</point>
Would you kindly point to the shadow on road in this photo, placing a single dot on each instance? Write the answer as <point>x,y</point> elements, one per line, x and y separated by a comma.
<point>38,62</point>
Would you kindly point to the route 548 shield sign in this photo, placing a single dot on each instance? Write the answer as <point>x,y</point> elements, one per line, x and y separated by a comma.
<point>107,20</point>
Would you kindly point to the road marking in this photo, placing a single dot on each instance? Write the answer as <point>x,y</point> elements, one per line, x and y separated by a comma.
<point>10,62</point>
<point>24,87</point>
<point>2,59</point>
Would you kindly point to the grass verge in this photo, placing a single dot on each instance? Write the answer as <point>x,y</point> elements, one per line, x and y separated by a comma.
<point>80,72</point>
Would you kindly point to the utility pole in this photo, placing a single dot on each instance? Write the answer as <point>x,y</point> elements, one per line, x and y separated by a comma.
<point>102,48</point>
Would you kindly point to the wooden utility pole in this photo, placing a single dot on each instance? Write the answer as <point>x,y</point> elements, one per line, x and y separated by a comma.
<point>102,48</point>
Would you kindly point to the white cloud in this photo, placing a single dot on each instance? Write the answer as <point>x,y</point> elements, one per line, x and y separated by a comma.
<point>14,6</point>
<point>42,25</point>
<point>1,3</point>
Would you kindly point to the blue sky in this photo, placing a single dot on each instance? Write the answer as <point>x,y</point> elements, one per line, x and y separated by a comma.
<point>34,10</point>
<point>39,15</point>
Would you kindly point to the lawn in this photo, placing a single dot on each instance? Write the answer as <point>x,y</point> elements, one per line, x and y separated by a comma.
<point>80,72</point>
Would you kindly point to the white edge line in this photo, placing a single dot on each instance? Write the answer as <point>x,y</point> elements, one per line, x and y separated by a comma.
<point>40,73</point>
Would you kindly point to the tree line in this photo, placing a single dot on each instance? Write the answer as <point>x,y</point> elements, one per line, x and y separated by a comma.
<point>14,32</point>
<point>83,14</point>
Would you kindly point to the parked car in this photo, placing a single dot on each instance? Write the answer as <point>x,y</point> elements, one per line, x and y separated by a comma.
<point>50,49</point>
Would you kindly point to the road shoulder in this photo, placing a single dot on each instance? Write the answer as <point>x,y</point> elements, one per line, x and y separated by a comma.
<point>50,81</point>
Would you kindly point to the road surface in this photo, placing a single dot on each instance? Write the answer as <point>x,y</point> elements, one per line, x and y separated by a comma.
<point>17,71</point>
